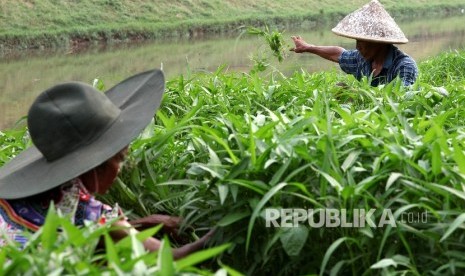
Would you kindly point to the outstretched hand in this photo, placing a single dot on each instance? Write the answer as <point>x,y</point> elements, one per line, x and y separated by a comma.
<point>170,224</point>
<point>171,227</point>
<point>193,246</point>
<point>300,45</point>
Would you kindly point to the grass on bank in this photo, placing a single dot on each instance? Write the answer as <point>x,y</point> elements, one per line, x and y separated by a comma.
<point>47,23</point>
<point>226,146</point>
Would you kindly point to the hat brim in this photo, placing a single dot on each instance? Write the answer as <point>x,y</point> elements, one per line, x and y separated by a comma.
<point>29,173</point>
<point>371,39</point>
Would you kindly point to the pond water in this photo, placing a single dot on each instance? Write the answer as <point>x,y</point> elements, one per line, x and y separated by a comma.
<point>24,75</point>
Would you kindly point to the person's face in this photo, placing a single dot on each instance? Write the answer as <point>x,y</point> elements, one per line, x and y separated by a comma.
<point>368,49</point>
<point>109,170</point>
<point>100,179</point>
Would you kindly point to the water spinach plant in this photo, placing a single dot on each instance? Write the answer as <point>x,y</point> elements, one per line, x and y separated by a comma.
<point>226,147</point>
<point>273,39</point>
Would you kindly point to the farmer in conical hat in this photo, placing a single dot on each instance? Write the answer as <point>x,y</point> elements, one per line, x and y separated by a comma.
<point>80,137</point>
<point>375,32</point>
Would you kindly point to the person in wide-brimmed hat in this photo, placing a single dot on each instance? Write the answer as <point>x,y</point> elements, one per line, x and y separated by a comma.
<point>80,137</point>
<point>375,32</point>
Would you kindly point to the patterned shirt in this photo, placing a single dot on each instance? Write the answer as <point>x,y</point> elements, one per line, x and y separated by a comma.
<point>19,215</point>
<point>396,64</point>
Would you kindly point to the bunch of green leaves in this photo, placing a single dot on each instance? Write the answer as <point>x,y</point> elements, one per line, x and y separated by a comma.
<point>273,39</point>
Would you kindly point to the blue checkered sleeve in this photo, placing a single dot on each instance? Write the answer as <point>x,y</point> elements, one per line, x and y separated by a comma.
<point>407,71</point>
<point>349,60</point>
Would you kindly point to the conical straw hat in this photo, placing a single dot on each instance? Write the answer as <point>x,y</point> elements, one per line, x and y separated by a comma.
<point>371,23</point>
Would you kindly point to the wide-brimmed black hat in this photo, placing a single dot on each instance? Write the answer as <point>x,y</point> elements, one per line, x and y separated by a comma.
<point>75,127</point>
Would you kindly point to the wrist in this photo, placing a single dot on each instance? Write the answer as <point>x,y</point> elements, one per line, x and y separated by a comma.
<point>310,48</point>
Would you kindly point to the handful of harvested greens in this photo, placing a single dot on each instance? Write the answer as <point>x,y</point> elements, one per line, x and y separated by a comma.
<point>274,40</point>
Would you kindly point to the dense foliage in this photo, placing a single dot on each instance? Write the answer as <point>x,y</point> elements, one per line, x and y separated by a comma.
<point>224,147</point>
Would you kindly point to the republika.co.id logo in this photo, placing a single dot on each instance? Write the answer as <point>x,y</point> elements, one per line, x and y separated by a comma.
<point>356,218</point>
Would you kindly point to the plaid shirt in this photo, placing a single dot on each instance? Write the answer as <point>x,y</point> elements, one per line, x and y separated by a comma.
<point>396,64</point>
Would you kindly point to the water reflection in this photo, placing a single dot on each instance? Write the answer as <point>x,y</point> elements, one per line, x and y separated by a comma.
<point>25,74</point>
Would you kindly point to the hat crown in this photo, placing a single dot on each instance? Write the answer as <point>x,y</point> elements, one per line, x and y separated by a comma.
<point>68,116</point>
<point>75,128</point>
<point>372,23</point>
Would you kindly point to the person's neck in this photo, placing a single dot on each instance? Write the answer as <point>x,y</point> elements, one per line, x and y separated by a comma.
<point>379,59</point>
<point>381,55</point>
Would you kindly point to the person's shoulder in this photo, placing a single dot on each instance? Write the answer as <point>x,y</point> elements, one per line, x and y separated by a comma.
<point>403,62</point>
<point>351,52</point>
<point>401,56</point>
<point>350,56</point>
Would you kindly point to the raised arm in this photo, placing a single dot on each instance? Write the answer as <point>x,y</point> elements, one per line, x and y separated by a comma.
<point>331,53</point>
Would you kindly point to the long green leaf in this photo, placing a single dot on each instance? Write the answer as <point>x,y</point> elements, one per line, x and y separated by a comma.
<point>458,222</point>
<point>258,209</point>
<point>331,249</point>
<point>165,259</point>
